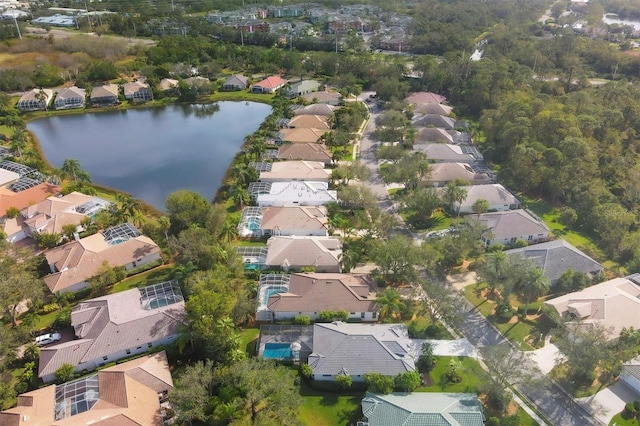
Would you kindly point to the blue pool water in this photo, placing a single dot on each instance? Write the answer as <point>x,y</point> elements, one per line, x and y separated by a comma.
<point>270,292</point>
<point>277,351</point>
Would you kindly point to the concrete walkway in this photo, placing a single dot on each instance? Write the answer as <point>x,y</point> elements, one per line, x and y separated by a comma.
<point>545,357</point>
<point>609,401</point>
<point>458,347</point>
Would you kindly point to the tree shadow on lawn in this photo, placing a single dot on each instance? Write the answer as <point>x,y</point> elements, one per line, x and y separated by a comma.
<point>329,398</point>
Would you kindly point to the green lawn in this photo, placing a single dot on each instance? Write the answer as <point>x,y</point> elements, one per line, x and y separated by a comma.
<point>327,408</point>
<point>578,390</point>
<point>248,340</point>
<point>5,130</point>
<point>45,321</point>
<point>421,328</point>
<point>471,376</point>
<point>155,275</point>
<point>621,420</point>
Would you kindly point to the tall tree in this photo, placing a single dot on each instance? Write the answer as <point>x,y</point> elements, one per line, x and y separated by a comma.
<point>397,258</point>
<point>390,303</point>
<point>18,280</point>
<point>130,208</point>
<point>186,208</point>
<point>454,196</point>
<point>533,285</point>
<point>480,206</point>
<point>19,142</point>
<point>71,170</point>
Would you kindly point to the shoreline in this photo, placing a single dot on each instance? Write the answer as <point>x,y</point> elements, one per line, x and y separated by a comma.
<point>148,208</point>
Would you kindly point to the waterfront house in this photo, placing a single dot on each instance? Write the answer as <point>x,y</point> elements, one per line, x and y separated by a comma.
<point>14,228</point>
<point>70,97</point>
<point>267,221</point>
<point>292,194</point>
<point>105,95</point>
<point>73,264</point>
<point>305,152</point>
<point>269,84</point>
<point>35,99</point>
<point>292,253</point>
<point>130,393</point>
<point>299,135</point>
<point>113,327</point>
<point>309,121</point>
<point>235,82</point>
<point>303,87</point>
<point>167,84</point>
<point>137,91</point>
<point>285,171</point>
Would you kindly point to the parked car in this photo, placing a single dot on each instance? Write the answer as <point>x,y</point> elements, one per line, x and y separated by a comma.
<point>45,339</point>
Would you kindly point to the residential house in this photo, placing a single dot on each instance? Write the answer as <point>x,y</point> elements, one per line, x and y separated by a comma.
<point>286,171</point>
<point>432,108</point>
<point>284,342</point>
<point>343,23</point>
<point>299,135</point>
<point>423,408</point>
<point>49,216</point>
<point>443,173</point>
<point>105,95</point>
<point>310,294</point>
<point>14,228</point>
<point>323,97</point>
<point>168,84</point>
<point>250,26</point>
<point>292,253</point>
<point>316,109</point>
<point>292,194</point>
<point>434,135</point>
<point>421,98</point>
<point>613,304</point>
<point>630,374</point>
<point>305,152</point>
<point>510,226</point>
<point>235,82</point>
<point>125,394</point>
<point>357,349</point>
<point>499,198</point>
<point>7,177</point>
<point>35,99</point>
<point>449,153</point>
<point>309,121</point>
<point>116,326</point>
<point>269,84</point>
<point>137,91</point>
<point>267,221</point>
<point>70,97</point>
<point>303,87</point>
<point>292,11</point>
<point>74,263</point>
<point>556,257</point>
<point>435,120</point>
<point>197,82</point>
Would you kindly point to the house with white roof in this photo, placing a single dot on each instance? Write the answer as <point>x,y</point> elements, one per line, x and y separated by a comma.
<point>613,304</point>
<point>137,91</point>
<point>510,226</point>
<point>499,198</point>
<point>292,194</point>
<point>285,171</point>
<point>113,327</point>
<point>70,97</point>
<point>35,99</point>
<point>449,153</point>
<point>355,349</point>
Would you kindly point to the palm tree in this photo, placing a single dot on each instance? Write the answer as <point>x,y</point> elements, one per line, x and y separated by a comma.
<point>19,142</point>
<point>495,271</point>
<point>165,223</point>
<point>348,260</point>
<point>535,285</point>
<point>71,169</point>
<point>243,174</point>
<point>240,197</point>
<point>455,195</point>
<point>390,303</point>
<point>230,229</point>
<point>130,207</point>
<point>41,96</point>
<point>480,206</point>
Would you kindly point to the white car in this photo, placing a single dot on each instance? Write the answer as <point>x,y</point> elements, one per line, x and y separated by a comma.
<point>45,339</point>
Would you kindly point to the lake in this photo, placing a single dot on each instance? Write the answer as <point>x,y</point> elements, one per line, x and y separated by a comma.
<point>612,18</point>
<point>153,152</point>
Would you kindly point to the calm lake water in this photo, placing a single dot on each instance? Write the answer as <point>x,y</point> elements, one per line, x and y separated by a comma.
<point>152,152</point>
<point>612,18</point>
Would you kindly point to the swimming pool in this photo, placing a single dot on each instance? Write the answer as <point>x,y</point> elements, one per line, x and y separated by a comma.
<point>277,351</point>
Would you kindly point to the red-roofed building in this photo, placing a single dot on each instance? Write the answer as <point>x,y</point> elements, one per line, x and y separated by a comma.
<point>269,84</point>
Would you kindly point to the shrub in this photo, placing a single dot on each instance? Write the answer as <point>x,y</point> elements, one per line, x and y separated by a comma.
<point>344,380</point>
<point>302,320</point>
<point>495,248</point>
<point>306,371</point>
<point>504,311</point>
<point>533,308</point>
<point>520,243</point>
<point>329,316</point>
<point>64,373</point>
<point>21,387</point>
<point>454,371</point>
<point>51,307</point>
<point>378,383</point>
<point>63,319</point>
<point>12,212</point>
<point>407,381</point>
<point>498,398</point>
<point>493,421</point>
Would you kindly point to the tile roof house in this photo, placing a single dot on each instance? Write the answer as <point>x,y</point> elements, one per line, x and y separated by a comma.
<point>167,84</point>
<point>112,327</point>
<point>555,257</point>
<point>357,349</point>
<point>630,374</point>
<point>291,253</point>
<point>435,120</point>
<point>434,134</point>
<point>137,91</point>
<point>305,152</point>
<point>74,263</point>
<point>13,228</point>
<point>316,109</point>
<point>499,198</point>
<point>235,82</point>
<point>310,294</point>
<point>323,97</point>
<point>449,153</point>
<point>269,84</point>
<point>432,108</point>
<point>266,221</point>
<point>70,97</point>
<point>299,135</point>
<point>303,87</point>
<point>35,99</point>
<point>285,171</point>
<point>443,173</point>
<point>614,304</point>
<point>104,95</point>
<point>510,226</point>
<point>309,122</point>
<point>422,408</point>
<point>125,394</point>
<point>7,177</point>
<point>418,98</point>
<point>295,194</point>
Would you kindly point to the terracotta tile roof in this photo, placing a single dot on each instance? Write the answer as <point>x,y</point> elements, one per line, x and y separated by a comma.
<point>310,122</point>
<point>305,151</point>
<point>123,399</point>
<point>301,135</point>
<point>25,198</point>
<point>327,292</point>
<point>425,98</point>
<point>296,170</point>
<point>306,218</point>
<point>321,252</point>
<point>271,82</point>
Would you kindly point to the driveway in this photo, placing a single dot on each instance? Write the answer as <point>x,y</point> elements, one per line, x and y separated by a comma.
<point>546,356</point>
<point>609,402</point>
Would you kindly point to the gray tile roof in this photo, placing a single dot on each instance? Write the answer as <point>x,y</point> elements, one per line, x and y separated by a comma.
<point>511,223</point>
<point>420,409</point>
<point>555,257</point>
<point>495,194</point>
<point>357,349</point>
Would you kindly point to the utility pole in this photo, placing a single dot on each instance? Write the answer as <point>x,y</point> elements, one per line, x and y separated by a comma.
<point>15,21</point>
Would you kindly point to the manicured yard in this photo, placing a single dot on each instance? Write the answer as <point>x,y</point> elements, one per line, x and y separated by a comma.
<point>327,408</point>
<point>421,328</point>
<point>471,376</point>
<point>621,420</point>
<point>155,275</point>
<point>5,130</point>
<point>248,340</point>
<point>578,390</point>
<point>45,321</point>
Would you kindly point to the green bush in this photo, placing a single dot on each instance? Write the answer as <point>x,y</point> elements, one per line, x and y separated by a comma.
<point>378,383</point>
<point>306,371</point>
<point>344,380</point>
<point>493,421</point>
<point>533,308</point>
<point>51,307</point>
<point>302,320</point>
<point>504,311</point>
<point>329,316</point>
<point>407,382</point>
